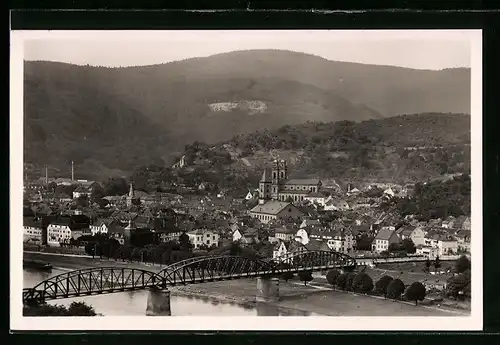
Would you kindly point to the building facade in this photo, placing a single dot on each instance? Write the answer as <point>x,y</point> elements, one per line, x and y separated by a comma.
<point>203,237</point>
<point>32,230</point>
<point>272,210</point>
<point>275,185</point>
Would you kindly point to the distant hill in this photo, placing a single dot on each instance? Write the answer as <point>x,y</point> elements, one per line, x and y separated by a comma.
<point>400,149</point>
<point>115,119</point>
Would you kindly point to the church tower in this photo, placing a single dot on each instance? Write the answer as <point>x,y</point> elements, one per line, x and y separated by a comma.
<point>265,186</point>
<point>275,180</point>
<point>283,172</point>
<point>130,196</point>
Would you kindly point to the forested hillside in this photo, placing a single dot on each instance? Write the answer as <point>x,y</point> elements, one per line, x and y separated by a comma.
<point>112,120</point>
<point>402,149</point>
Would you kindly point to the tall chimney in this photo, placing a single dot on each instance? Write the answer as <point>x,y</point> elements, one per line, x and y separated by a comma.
<point>46,175</point>
<point>72,172</point>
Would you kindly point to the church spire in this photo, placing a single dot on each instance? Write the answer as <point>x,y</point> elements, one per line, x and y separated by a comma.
<point>131,191</point>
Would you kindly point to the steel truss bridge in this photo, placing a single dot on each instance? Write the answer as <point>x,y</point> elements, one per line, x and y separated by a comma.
<point>104,280</point>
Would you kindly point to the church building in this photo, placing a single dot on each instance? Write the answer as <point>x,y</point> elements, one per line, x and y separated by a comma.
<point>275,185</point>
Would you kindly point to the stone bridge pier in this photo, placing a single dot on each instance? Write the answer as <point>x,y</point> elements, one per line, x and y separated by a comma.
<point>268,289</point>
<point>158,303</point>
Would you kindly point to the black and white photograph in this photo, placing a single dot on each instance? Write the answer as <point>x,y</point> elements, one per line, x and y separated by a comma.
<point>246,180</point>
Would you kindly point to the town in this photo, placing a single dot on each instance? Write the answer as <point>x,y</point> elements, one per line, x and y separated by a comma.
<point>277,217</point>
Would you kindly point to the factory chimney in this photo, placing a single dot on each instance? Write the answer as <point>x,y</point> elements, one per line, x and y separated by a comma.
<point>72,171</point>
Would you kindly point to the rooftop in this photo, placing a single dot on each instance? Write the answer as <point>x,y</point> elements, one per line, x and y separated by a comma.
<point>271,207</point>
<point>306,181</point>
<point>384,234</point>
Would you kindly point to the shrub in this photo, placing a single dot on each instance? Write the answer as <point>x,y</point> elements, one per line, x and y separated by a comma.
<point>349,281</point>
<point>341,281</point>
<point>416,292</point>
<point>395,288</point>
<point>331,277</point>
<point>382,284</point>
<point>362,283</point>
<point>305,277</point>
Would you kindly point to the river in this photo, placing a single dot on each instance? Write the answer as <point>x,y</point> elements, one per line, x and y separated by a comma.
<point>133,303</point>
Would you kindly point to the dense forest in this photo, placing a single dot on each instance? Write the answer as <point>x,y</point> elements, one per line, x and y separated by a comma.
<point>438,199</point>
<point>407,148</point>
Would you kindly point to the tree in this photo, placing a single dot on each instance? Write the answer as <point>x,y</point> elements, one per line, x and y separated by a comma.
<point>428,265</point>
<point>462,264</point>
<point>331,277</point>
<point>437,264</point>
<point>185,243</point>
<point>349,281</point>
<point>382,285</point>
<point>459,286</point>
<point>416,292</point>
<point>97,193</point>
<point>408,246</point>
<point>75,309</point>
<point>395,288</point>
<point>80,309</point>
<point>362,283</point>
<point>115,186</point>
<point>305,277</point>
<point>286,276</point>
<point>364,242</point>
<point>341,281</point>
<point>82,201</point>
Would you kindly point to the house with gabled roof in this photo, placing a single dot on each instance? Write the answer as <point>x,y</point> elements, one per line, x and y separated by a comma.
<point>274,209</point>
<point>383,240</point>
<point>315,244</point>
<point>101,226</point>
<point>463,240</point>
<point>283,248</point>
<point>338,239</point>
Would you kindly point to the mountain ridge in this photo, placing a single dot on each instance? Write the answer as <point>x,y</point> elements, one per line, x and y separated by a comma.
<point>152,112</point>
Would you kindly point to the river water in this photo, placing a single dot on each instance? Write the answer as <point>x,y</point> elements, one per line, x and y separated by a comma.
<point>133,303</point>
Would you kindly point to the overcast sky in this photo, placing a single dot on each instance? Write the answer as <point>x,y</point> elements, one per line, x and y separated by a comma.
<point>432,50</point>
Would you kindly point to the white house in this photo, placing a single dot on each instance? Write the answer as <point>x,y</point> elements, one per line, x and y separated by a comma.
<point>316,198</point>
<point>314,223</point>
<point>389,192</point>
<point>339,240</point>
<point>246,236</point>
<point>429,251</point>
<point>446,245</point>
<point>336,205</point>
<point>282,248</point>
<point>201,237</point>
<point>285,233</point>
<point>32,230</point>
<point>101,226</point>
<point>302,236</point>
<point>62,229</point>
<point>383,240</point>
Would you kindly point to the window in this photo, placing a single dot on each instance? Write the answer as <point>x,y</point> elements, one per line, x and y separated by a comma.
<point>289,209</point>
<point>213,237</point>
<point>274,174</point>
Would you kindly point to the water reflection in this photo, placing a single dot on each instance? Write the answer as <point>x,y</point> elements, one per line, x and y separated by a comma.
<point>133,303</point>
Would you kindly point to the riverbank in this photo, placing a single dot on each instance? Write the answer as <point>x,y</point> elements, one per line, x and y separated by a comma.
<point>317,297</point>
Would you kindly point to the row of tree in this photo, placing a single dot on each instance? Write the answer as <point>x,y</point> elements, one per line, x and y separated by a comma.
<point>74,309</point>
<point>386,285</point>
<point>137,249</point>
